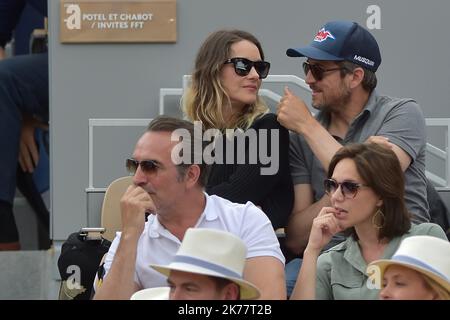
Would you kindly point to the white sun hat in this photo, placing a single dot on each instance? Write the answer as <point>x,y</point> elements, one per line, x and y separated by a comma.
<point>213,253</point>
<point>425,254</point>
<point>159,293</point>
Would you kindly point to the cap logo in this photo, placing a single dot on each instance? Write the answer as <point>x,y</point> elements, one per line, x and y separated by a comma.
<point>364,60</point>
<point>323,35</point>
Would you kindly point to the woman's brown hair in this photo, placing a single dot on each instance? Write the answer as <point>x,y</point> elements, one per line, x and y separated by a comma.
<point>380,169</point>
<point>205,99</point>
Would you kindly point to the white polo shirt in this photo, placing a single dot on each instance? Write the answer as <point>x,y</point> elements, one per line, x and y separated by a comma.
<point>158,246</point>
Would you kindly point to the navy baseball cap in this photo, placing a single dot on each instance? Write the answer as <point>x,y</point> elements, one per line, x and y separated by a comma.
<point>342,40</point>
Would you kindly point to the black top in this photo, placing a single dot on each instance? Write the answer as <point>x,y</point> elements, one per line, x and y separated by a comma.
<point>10,11</point>
<point>244,182</point>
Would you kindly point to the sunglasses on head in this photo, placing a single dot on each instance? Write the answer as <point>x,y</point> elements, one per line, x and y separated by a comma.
<point>348,189</point>
<point>242,67</point>
<point>147,166</point>
<point>316,70</point>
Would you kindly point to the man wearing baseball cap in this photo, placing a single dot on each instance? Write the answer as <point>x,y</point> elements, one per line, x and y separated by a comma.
<point>340,67</point>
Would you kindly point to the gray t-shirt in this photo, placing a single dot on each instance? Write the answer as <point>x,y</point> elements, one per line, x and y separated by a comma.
<point>400,120</point>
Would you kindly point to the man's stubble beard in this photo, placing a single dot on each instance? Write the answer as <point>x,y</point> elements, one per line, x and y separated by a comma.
<point>337,105</point>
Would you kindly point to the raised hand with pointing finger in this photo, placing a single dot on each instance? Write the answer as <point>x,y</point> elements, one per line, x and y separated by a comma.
<point>340,66</point>
<point>293,112</point>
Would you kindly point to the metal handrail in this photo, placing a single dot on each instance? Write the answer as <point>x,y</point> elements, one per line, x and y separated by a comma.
<point>442,183</point>
<point>105,123</point>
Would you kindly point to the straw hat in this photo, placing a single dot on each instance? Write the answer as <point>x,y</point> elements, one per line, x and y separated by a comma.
<point>159,293</point>
<point>213,253</point>
<point>425,254</point>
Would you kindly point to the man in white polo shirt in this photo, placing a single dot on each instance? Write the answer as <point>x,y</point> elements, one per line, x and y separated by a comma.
<point>174,196</point>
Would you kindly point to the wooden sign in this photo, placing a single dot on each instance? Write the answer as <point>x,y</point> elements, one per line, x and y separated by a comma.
<point>114,21</point>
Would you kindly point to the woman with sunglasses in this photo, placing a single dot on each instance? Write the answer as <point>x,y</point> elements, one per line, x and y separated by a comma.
<point>366,188</point>
<point>223,95</point>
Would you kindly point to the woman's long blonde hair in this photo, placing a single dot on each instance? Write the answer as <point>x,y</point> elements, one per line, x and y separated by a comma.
<point>206,98</point>
<point>442,293</point>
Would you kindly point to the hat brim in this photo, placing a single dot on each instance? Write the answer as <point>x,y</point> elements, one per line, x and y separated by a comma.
<point>159,293</point>
<point>312,53</point>
<point>383,264</point>
<point>248,291</point>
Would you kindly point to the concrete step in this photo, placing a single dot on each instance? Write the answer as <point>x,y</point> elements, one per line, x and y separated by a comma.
<point>28,275</point>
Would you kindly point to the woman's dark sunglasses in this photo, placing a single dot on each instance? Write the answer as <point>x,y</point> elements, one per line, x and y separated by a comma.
<point>242,67</point>
<point>348,189</point>
<point>147,166</point>
<point>317,71</point>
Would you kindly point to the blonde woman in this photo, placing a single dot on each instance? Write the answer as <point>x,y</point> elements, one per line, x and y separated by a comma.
<point>419,270</point>
<point>228,72</point>
<point>366,188</point>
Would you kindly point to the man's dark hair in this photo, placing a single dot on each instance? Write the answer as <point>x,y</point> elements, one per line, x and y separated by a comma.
<point>170,124</point>
<point>369,81</point>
